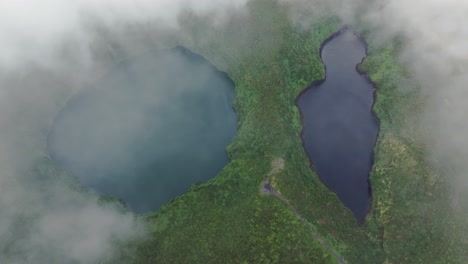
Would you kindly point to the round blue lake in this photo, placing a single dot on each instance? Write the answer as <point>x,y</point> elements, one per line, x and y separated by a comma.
<point>147,131</point>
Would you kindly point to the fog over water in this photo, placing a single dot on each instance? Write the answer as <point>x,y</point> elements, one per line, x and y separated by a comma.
<point>150,128</point>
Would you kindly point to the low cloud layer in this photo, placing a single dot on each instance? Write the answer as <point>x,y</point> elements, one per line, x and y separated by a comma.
<point>51,49</point>
<point>33,32</point>
<point>435,49</point>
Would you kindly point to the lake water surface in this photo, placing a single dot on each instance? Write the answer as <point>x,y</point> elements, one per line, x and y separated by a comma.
<point>149,129</point>
<point>339,127</point>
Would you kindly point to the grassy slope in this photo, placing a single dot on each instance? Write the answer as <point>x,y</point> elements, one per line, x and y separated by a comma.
<point>411,208</point>
<point>227,219</point>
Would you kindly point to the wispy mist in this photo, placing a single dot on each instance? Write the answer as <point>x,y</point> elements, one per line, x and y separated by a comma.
<point>34,32</point>
<point>51,49</point>
<point>435,51</point>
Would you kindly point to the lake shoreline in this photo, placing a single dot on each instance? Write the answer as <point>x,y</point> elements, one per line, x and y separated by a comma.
<point>138,70</point>
<point>317,83</point>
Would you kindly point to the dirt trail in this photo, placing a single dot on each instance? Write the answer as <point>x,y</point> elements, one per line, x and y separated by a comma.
<point>267,189</point>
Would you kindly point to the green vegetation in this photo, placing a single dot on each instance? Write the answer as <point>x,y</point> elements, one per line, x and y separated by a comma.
<point>228,220</point>
<point>411,202</point>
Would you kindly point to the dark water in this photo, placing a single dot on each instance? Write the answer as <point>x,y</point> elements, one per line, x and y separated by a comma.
<point>149,130</point>
<point>340,130</point>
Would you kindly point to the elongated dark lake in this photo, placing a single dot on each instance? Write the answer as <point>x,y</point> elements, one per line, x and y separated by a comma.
<point>149,129</point>
<point>339,127</point>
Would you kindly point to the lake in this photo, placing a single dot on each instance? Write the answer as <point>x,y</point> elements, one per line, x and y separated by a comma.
<point>149,129</point>
<point>339,127</point>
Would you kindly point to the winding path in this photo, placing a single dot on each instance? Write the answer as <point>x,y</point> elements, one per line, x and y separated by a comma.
<point>267,189</point>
